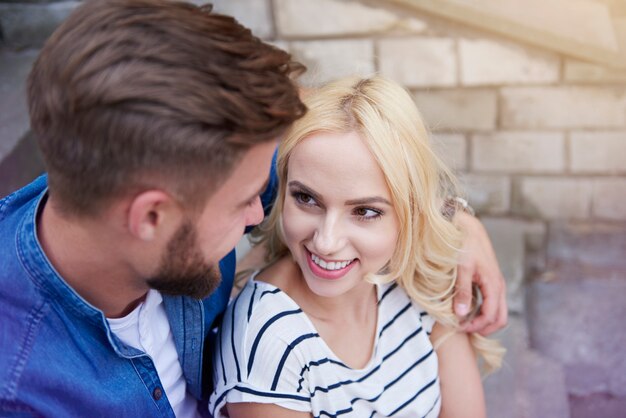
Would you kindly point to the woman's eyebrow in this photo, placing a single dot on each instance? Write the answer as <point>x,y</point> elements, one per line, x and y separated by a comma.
<point>352,202</point>
<point>367,201</point>
<point>305,189</point>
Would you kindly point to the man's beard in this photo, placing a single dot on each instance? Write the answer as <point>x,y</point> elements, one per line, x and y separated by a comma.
<point>183,270</point>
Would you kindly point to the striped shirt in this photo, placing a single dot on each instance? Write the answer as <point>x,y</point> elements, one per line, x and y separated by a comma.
<point>270,352</point>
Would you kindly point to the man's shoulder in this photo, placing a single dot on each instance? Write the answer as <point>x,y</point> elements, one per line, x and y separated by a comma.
<point>17,290</point>
<point>13,211</point>
<point>22,306</point>
<point>15,285</point>
<point>22,313</point>
<point>22,198</point>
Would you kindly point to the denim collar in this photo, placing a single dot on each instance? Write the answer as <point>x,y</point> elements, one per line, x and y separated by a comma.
<point>46,278</point>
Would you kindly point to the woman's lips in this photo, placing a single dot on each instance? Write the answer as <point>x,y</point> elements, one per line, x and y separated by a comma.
<point>328,274</point>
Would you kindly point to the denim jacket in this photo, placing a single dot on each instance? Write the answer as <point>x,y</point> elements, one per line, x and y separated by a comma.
<point>58,356</point>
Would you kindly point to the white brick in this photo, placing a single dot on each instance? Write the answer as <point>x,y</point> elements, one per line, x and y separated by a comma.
<point>511,152</point>
<point>555,22</point>
<point>280,44</point>
<point>580,71</point>
<point>487,194</point>
<point>458,109</point>
<point>488,62</point>
<point>328,60</point>
<point>609,198</point>
<point>553,198</point>
<point>411,25</point>
<point>563,107</point>
<point>419,62</point>
<point>598,152</point>
<point>509,238</point>
<point>452,149</point>
<point>254,14</point>
<point>306,18</point>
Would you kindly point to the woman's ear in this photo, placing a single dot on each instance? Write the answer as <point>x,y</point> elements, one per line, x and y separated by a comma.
<point>151,213</point>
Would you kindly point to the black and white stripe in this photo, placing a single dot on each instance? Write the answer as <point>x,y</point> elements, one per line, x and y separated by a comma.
<point>270,352</point>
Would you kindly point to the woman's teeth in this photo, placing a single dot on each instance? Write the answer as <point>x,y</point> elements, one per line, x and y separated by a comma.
<point>332,265</point>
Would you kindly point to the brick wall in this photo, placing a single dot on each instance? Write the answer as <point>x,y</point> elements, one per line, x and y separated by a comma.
<point>535,134</point>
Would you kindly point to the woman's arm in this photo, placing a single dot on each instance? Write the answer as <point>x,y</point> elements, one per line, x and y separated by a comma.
<point>461,386</point>
<point>261,410</point>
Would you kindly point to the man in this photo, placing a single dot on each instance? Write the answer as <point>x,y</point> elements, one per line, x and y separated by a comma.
<point>157,122</point>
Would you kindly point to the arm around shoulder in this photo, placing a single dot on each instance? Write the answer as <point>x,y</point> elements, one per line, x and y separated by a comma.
<point>461,386</point>
<point>478,264</point>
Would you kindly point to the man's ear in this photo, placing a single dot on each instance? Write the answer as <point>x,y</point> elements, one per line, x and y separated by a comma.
<point>151,213</point>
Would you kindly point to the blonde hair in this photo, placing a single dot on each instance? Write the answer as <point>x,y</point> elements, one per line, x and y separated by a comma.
<point>384,115</point>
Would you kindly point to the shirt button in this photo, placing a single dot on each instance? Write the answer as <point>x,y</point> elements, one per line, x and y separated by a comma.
<point>157,393</point>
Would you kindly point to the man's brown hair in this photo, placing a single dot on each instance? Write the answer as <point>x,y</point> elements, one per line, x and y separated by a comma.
<point>131,94</point>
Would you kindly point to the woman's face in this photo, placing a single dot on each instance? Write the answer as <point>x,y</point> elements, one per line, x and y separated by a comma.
<point>338,219</point>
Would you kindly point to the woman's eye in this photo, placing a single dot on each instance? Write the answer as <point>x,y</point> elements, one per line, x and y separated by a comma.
<point>367,213</point>
<point>303,198</point>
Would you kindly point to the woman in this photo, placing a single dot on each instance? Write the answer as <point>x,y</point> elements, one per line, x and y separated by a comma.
<point>353,316</point>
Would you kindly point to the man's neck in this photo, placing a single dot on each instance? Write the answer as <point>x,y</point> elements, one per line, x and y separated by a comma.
<point>87,256</point>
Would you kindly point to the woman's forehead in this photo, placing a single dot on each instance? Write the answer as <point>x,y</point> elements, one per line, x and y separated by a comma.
<point>337,161</point>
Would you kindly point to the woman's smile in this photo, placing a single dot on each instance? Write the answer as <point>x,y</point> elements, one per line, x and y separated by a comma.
<point>329,270</point>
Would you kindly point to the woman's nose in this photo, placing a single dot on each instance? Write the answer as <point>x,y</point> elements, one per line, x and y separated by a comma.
<point>328,238</point>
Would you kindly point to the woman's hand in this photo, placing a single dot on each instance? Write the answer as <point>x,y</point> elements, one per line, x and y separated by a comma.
<point>478,264</point>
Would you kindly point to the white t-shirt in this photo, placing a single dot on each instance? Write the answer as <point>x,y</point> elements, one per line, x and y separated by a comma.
<point>147,329</point>
<point>270,352</point>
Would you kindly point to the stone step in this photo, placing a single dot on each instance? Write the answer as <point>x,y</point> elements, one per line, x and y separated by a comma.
<point>28,25</point>
<point>598,406</point>
<point>20,161</point>
<point>529,385</point>
<point>14,123</point>
<point>590,245</point>
<point>580,325</point>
